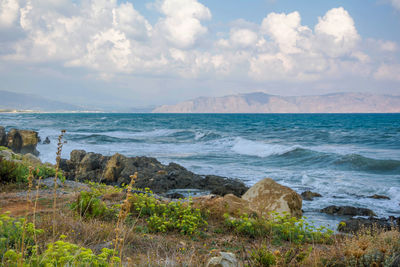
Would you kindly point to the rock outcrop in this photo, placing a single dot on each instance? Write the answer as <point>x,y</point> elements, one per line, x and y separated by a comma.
<point>353,225</point>
<point>308,195</point>
<point>3,136</point>
<point>267,196</point>
<point>151,173</point>
<point>22,141</point>
<point>379,197</point>
<point>46,141</point>
<point>347,210</point>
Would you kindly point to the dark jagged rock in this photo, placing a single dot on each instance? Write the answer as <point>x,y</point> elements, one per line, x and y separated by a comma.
<point>347,210</point>
<point>379,197</point>
<point>23,141</point>
<point>160,178</point>
<point>46,141</point>
<point>175,195</point>
<point>308,195</point>
<point>353,225</point>
<point>225,186</point>
<point>3,136</point>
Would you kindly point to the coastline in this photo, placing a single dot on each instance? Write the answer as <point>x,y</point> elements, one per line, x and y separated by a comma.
<point>194,231</point>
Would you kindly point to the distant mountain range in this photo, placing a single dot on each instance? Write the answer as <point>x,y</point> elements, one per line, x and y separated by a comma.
<point>22,102</point>
<point>265,103</point>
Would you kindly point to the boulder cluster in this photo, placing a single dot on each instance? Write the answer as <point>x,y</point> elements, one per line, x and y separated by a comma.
<point>19,141</point>
<point>264,197</point>
<point>152,174</point>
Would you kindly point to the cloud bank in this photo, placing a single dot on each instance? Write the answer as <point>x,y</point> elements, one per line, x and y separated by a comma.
<point>112,38</point>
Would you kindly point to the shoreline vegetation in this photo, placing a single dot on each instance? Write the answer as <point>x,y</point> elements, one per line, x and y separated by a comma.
<point>93,210</point>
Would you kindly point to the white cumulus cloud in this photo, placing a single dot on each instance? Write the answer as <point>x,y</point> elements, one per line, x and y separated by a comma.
<point>9,12</point>
<point>110,37</point>
<point>182,23</point>
<point>336,32</point>
<point>285,30</point>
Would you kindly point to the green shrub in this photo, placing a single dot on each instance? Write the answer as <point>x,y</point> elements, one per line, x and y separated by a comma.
<point>262,257</point>
<point>100,189</point>
<point>62,253</point>
<point>11,231</point>
<point>89,205</point>
<point>17,172</point>
<point>4,148</point>
<point>163,217</point>
<point>279,227</point>
<point>12,172</point>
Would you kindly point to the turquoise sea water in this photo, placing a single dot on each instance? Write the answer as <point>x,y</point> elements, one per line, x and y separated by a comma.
<point>344,157</point>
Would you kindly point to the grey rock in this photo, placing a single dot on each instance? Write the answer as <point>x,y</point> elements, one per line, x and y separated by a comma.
<point>226,259</point>
<point>77,155</point>
<point>3,136</point>
<point>347,210</point>
<point>353,225</point>
<point>224,186</point>
<point>49,182</point>
<point>375,196</point>
<point>308,195</point>
<point>23,141</point>
<point>175,195</point>
<point>46,141</point>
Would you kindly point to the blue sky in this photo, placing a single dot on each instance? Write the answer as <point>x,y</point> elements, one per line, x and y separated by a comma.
<point>138,53</point>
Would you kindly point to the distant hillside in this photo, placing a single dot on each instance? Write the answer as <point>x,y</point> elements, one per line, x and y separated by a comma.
<point>18,101</point>
<point>264,103</point>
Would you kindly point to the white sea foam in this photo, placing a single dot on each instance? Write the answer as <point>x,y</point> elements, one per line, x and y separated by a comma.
<point>143,134</point>
<point>394,194</point>
<point>259,149</point>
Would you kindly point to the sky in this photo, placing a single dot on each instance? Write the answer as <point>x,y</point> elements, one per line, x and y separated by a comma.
<point>130,53</point>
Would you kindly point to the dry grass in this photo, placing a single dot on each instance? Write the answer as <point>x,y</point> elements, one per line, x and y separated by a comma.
<point>141,248</point>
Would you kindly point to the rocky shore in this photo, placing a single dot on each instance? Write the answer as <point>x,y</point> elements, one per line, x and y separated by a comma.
<point>19,141</point>
<point>152,174</point>
<point>264,197</point>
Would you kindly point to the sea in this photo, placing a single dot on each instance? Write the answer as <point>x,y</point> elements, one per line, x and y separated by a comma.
<point>344,157</point>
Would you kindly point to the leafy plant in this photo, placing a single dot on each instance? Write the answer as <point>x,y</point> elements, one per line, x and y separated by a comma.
<point>62,253</point>
<point>100,189</point>
<point>163,217</point>
<point>11,231</point>
<point>89,205</point>
<point>279,227</point>
<point>17,172</point>
<point>262,257</point>
<point>12,172</point>
<point>4,148</point>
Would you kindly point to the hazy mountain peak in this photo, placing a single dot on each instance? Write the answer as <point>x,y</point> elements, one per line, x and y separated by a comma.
<point>19,101</point>
<point>259,102</point>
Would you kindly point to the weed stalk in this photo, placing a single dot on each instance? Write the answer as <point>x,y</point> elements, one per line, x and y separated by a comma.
<point>58,159</point>
<point>123,213</point>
